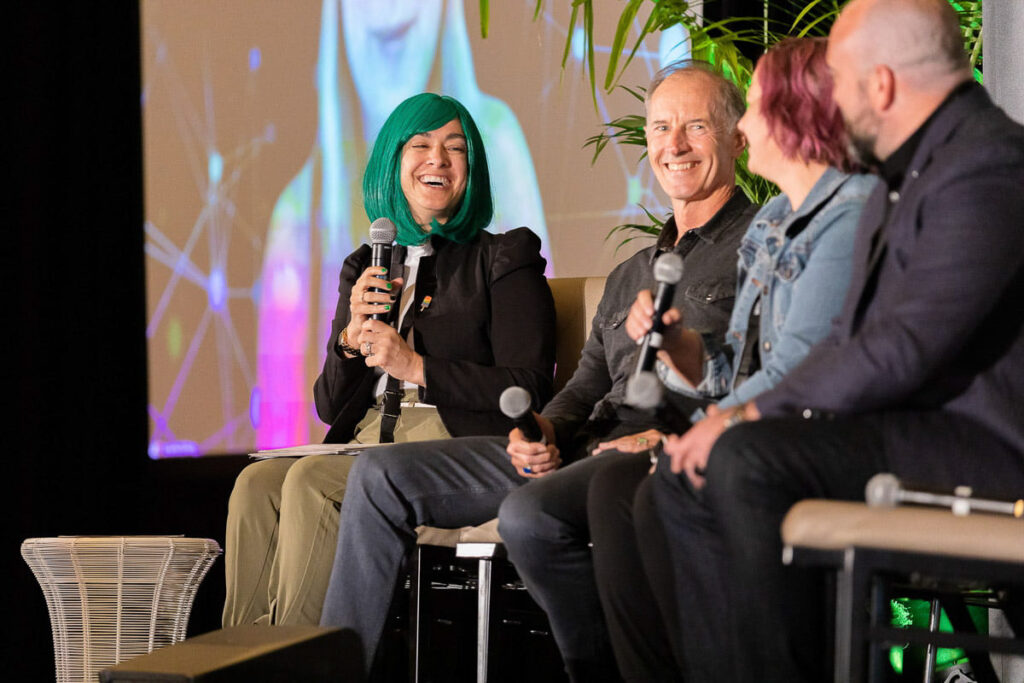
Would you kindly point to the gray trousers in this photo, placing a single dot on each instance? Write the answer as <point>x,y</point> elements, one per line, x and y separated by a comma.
<point>391,491</point>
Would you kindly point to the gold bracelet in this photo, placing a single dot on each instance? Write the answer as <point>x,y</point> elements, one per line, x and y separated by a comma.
<point>345,346</point>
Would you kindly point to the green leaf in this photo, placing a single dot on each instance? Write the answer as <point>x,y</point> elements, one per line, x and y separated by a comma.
<point>568,38</point>
<point>814,23</point>
<point>640,93</point>
<point>619,41</point>
<point>810,6</point>
<point>485,17</point>
<point>588,27</point>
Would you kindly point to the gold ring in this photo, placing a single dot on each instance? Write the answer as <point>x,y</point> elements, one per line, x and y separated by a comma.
<point>641,441</point>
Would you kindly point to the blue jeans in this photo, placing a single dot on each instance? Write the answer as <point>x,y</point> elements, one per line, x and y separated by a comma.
<point>392,490</point>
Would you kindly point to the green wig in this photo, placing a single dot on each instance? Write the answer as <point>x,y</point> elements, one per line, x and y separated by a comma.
<point>382,187</point>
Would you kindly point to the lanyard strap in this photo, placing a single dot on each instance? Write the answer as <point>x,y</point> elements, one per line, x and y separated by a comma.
<point>391,405</point>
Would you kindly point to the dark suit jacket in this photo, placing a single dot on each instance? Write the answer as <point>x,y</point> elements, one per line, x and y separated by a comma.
<point>490,324</point>
<point>940,327</point>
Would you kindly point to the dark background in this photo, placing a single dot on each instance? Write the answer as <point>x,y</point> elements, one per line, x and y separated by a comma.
<point>73,340</point>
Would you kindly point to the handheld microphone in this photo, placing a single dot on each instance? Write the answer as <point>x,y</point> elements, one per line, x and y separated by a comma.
<point>644,391</point>
<point>382,235</point>
<point>515,404</point>
<point>886,490</point>
<point>644,388</point>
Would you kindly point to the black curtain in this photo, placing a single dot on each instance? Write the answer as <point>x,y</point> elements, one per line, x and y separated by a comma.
<point>74,334</point>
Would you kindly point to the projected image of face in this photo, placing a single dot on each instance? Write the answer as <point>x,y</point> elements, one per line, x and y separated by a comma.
<point>390,46</point>
<point>434,172</point>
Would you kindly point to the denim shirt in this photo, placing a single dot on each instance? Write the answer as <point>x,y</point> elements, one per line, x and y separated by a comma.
<point>798,295</point>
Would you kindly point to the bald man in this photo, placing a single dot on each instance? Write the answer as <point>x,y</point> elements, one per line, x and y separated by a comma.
<point>922,375</point>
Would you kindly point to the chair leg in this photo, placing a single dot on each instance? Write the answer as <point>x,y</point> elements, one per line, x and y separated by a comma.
<point>851,594</point>
<point>856,657</point>
<point>878,591</point>
<point>960,619</point>
<point>934,612</point>
<point>418,588</point>
<point>844,618</point>
<point>483,618</point>
<point>1014,610</point>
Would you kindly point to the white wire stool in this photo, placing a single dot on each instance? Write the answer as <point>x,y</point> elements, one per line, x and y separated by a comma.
<point>111,598</point>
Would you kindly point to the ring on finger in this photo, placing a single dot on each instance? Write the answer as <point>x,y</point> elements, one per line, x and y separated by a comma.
<point>527,470</point>
<point>641,441</point>
<point>367,348</point>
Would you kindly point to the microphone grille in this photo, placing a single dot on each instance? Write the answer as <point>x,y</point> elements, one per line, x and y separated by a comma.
<point>668,268</point>
<point>643,391</point>
<point>382,231</point>
<point>882,490</point>
<point>515,402</point>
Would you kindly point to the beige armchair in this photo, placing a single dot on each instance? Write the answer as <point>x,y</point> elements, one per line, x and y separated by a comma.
<point>884,552</point>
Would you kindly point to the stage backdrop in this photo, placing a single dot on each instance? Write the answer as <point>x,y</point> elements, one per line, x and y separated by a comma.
<point>258,116</point>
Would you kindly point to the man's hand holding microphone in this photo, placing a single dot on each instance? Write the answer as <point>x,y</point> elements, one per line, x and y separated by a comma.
<point>531,445</point>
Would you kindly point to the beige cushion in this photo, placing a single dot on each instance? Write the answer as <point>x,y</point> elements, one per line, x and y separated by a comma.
<point>836,525</point>
<point>576,300</point>
<point>432,535</point>
<point>449,538</point>
<point>485,533</point>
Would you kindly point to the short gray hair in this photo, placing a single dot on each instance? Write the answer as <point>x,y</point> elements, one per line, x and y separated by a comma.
<point>728,103</point>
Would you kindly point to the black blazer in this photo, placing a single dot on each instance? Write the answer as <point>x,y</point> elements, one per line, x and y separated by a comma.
<point>936,323</point>
<point>490,324</point>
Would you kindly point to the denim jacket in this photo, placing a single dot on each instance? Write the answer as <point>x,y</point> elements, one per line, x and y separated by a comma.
<point>798,295</point>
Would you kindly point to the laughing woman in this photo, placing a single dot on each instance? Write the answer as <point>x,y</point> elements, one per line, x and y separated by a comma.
<point>468,314</point>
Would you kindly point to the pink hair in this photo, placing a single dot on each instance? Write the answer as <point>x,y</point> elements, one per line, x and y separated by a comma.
<point>797,104</point>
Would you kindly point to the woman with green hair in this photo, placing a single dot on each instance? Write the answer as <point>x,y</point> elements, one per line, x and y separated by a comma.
<point>466,314</point>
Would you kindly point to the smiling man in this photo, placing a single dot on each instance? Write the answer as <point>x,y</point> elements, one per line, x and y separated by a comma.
<point>693,145</point>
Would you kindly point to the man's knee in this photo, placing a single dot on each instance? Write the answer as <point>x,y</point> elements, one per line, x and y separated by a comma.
<point>612,488</point>
<point>380,474</point>
<point>738,459</point>
<point>518,516</point>
<point>391,466</point>
<point>753,472</point>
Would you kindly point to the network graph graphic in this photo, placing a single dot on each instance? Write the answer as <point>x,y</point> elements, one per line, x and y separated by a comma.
<point>242,260</point>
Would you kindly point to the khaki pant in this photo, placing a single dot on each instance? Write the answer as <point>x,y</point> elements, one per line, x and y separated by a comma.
<point>282,527</point>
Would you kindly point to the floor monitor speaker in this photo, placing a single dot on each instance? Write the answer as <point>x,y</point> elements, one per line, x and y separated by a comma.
<point>249,654</point>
